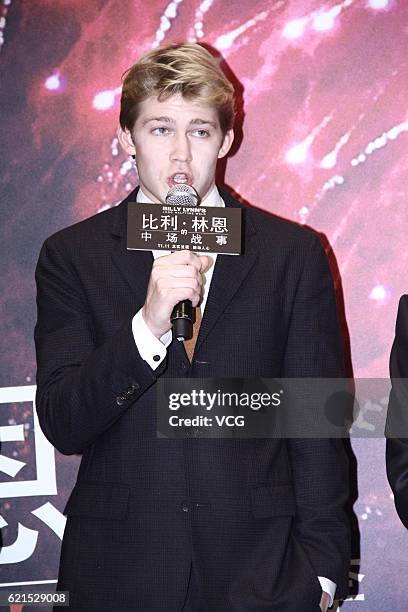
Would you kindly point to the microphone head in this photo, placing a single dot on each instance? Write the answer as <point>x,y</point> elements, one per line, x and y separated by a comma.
<point>182,194</point>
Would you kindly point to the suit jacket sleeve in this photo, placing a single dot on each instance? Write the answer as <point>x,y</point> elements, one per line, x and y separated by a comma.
<point>82,387</point>
<point>397,417</point>
<point>319,466</point>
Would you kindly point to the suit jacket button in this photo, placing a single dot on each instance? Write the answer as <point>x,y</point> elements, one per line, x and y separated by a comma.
<point>120,400</point>
<point>184,507</point>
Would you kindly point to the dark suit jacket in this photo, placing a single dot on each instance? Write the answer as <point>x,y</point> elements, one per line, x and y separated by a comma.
<point>397,417</point>
<point>258,519</point>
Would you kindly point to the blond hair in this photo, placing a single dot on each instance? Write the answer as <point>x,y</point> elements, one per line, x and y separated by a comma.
<point>178,69</point>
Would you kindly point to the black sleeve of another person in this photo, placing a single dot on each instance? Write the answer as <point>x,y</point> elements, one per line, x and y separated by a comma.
<point>397,418</point>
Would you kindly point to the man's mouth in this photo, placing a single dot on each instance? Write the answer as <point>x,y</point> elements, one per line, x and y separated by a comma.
<point>180,178</point>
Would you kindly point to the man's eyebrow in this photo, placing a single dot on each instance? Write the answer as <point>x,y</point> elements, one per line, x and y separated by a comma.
<point>152,118</point>
<point>200,121</point>
<point>166,119</point>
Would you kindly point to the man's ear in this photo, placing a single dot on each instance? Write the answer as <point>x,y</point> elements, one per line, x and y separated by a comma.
<point>126,142</point>
<point>226,143</point>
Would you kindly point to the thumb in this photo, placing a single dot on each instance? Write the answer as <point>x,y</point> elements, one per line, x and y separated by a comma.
<point>206,263</point>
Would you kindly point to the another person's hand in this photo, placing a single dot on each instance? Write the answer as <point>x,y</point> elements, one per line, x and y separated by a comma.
<point>175,277</point>
<point>324,601</point>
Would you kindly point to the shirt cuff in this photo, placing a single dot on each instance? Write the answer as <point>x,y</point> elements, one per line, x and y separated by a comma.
<point>328,586</point>
<point>151,349</point>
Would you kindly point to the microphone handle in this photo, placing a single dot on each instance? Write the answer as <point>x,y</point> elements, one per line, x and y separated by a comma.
<point>182,320</point>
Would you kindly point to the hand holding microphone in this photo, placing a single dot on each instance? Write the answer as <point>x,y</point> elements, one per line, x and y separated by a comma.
<point>173,278</point>
<point>176,281</point>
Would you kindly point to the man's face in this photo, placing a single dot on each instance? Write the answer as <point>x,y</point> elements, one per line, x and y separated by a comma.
<point>175,141</point>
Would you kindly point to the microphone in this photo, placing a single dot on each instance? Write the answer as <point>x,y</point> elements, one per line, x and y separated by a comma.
<point>182,194</point>
<point>182,314</point>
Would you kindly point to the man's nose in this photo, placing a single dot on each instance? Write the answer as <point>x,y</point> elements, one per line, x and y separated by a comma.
<point>181,150</point>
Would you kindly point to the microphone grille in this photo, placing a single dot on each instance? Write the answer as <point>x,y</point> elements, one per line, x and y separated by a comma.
<point>182,194</point>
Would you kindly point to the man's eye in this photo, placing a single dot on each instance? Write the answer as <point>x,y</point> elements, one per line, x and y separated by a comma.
<point>201,133</point>
<point>160,131</point>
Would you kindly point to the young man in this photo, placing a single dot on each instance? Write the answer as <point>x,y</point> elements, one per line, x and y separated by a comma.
<point>195,525</point>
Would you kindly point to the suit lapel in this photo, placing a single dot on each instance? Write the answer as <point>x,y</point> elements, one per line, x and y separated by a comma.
<point>229,274</point>
<point>134,266</point>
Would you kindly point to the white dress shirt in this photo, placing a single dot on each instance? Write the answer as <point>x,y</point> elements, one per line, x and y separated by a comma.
<point>153,350</point>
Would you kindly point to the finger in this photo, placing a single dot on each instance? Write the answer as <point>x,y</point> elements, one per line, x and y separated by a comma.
<point>180,257</point>
<point>206,263</point>
<point>184,293</point>
<point>167,284</point>
<point>177,271</point>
